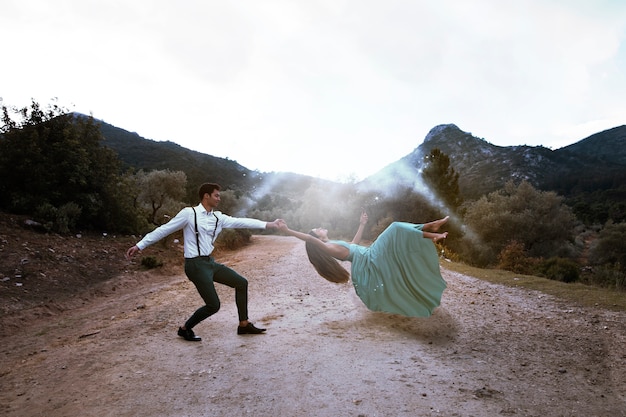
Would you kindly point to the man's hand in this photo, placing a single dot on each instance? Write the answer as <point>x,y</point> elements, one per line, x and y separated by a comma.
<point>131,252</point>
<point>282,225</point>
<point>275,224</point>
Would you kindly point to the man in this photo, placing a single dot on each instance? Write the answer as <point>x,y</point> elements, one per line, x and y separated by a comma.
<point>201,225</point>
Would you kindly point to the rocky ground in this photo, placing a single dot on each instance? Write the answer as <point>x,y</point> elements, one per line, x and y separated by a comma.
<point>85,332</point>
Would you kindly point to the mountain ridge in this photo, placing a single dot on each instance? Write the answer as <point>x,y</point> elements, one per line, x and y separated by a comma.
<point>482,166</point>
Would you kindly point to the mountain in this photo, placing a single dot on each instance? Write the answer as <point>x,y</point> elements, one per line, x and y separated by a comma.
<point>591,173</point>
<point>139,153</point>
<point>136,152</point>
<point>604,147</point>
<point>484,167</point>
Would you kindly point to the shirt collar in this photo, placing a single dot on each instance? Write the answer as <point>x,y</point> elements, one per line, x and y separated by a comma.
<point>201,208</point>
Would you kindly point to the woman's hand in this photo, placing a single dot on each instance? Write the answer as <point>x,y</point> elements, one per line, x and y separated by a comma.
<point>364,218</point>
<point>282,225</point>
<point>359,232</point>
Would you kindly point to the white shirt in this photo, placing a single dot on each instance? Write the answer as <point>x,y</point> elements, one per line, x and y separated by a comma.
<point>210,224</point>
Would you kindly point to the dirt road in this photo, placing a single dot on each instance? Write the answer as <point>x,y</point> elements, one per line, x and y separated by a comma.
<point>487,351</point>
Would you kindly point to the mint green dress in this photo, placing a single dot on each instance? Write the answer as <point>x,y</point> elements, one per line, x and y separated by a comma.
<point>399,273</point>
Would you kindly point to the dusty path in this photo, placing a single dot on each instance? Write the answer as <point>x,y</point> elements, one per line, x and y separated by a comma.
<point>487,351</point>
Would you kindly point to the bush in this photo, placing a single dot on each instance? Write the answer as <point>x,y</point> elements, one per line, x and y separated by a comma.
<point>560,269</point>
<point>610,248</point>
<point>608,276</point>
<point>508,214</point>
<point>67,217</point>
<point>60,220</point>
<point>150,262</point>
<point>514,257</point>
<point>471,251</point>
<point>445,252</point>
<point>233,238</point>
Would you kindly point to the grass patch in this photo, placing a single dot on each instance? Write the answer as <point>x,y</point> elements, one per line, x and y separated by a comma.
<point>585,295</point>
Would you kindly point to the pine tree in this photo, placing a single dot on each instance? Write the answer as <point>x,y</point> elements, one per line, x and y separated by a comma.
<point>442,178</point>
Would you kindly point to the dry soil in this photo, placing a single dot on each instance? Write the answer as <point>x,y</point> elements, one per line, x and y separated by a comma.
<point>111,348</point>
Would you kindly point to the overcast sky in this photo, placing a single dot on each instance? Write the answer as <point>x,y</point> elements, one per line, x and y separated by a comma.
<point>329,88</point>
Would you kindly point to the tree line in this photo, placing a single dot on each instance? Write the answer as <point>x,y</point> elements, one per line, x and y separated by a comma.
<point>54,168</point>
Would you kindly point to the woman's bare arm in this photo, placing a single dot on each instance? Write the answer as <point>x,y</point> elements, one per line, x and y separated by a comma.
<point>359,232</point>
<point>302,236</point>
<point>334,250</point>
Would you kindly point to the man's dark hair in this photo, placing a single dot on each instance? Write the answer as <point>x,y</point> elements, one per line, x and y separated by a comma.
<point>207,187</point>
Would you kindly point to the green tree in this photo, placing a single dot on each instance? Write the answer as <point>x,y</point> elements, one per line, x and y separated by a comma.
<point>610,248</point>
<point>442,178</point>
<point>160,193</point>
<point>124,215</point>
<point>538,220</point>
<point>52,158</point>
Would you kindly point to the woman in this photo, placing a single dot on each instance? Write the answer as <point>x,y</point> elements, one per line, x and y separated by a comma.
<point>399,273</point>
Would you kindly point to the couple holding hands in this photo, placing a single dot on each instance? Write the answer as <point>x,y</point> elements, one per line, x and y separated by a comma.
<point>398,273</point>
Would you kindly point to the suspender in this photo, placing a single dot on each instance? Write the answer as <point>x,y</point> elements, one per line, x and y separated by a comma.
<point>217,220</point>
<point>195,221</point>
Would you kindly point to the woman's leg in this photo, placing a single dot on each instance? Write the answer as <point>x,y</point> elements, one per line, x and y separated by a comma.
<point>435,237</point>
<point>435,225</point>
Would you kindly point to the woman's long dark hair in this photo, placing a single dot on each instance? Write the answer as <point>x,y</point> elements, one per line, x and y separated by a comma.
<point>325,265</point>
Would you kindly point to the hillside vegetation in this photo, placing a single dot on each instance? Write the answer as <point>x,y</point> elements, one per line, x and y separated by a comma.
<point>71,173</point>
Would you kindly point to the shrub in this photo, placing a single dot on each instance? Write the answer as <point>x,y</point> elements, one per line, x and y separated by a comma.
<point>508,214</point>
<point>150,262</point>
<point>233,238</point>
<point>608,276</point>
<point>445,252</point>
<point>610,248</point>
<point>67,217</point>
<point>60,220</point>
<point>560,269</point>
<point>514,257</point>
<point>472,251</point>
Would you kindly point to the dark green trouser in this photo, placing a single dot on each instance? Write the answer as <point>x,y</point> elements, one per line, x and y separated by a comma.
<point>203,271</point>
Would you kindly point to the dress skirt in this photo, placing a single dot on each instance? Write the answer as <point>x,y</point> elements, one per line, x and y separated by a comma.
<point>399,273</point>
